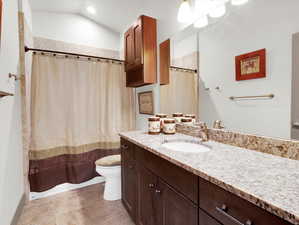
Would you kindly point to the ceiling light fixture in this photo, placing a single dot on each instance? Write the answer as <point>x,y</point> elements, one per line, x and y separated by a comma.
<point>238,2</point>
<point>185,14</point>
<point>91,10</point>
<point>201,22</point>
<point>218,9</point>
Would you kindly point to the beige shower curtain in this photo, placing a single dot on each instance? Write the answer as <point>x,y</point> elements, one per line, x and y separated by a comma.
<point>78,107</point>
<point>181,94</point>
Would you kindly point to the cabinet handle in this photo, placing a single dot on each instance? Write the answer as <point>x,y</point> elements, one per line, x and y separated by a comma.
<point>124,146</point>
<point>151,185</point>
<point>223,211</point>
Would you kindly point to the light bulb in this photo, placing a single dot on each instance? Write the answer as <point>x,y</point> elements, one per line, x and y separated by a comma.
<point>202,7</point>
<point>217,10</point>
<point>238,2</point>
<point>185,14</point>
<point>91,10</point>
<point>201,22</point>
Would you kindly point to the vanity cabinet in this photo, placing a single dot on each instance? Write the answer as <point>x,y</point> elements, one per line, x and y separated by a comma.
<point>158,192</point>
<point>140,42</point>
<point>129,178</point>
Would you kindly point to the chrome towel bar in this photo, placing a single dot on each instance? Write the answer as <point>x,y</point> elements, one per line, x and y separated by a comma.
<point>251,97</point>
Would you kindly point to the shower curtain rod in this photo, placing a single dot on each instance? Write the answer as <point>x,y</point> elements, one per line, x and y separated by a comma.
<point>180,68</point>
<point>27,49</point>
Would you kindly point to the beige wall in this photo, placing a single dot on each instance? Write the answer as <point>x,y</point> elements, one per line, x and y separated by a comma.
<point>11,156</point>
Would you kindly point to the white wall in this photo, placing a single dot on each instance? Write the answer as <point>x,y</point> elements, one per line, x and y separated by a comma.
<point>257,25</point>
<point>183,47</point>
<point>74,29</point>
<point>11,156</point>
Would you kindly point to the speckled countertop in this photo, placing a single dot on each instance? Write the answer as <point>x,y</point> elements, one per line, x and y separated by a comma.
<point>268,181</point>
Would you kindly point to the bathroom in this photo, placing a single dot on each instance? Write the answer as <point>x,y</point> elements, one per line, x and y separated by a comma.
<point>173,112</point>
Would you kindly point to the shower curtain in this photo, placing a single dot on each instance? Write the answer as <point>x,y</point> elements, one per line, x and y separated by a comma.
<point>181,94</point>
<point>78,107</point>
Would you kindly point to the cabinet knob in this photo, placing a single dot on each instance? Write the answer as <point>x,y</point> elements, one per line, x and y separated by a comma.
<point>158,191</point>
<point>131,167</point>
<point>249,222</point>
<point>151,185</point>
<point>124,146</point>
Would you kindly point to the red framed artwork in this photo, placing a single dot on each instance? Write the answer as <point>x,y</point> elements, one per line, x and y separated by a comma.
<point>251,65</point>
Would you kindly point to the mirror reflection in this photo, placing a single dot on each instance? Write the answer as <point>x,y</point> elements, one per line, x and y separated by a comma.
<point>248,81</point>
<point>179,92</point>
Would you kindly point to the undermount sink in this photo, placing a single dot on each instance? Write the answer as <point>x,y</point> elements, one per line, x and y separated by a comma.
<point>186,146</point>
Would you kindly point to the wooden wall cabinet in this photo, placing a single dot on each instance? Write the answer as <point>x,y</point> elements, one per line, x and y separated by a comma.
<point>141,52</point>
<point>164,62</point>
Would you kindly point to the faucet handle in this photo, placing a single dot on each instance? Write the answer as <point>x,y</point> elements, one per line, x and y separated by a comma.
<point>203,126</point>
<point>218,124</point>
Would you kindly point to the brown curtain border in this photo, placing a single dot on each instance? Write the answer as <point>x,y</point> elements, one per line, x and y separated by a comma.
<point>71,150</point>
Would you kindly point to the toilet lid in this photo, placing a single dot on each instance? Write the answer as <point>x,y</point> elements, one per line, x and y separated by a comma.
<point>112,160</point>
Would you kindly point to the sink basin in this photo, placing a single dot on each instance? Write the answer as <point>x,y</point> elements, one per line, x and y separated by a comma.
<point>186,146</point>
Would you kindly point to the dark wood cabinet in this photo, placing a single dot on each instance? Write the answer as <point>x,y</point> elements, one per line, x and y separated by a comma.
<point>147,184</point>
<point>129,178</point>
<point>141,52</point>
<point>157,192</point>
<point>174,208</point>
<point>230,209</point>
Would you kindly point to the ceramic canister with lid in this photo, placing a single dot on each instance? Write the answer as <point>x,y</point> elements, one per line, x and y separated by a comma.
<point>187,121</point>
<point>169,126</point>
<point>192,116</point>
<point>162,117</point>
<point>178,117</point>
<point>154,125</point>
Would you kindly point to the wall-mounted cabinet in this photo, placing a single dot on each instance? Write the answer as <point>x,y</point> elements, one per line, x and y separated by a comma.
<point>141,52</point>
<point>164,62</point>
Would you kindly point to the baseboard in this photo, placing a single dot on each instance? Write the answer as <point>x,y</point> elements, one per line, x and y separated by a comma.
<point>19,210</point>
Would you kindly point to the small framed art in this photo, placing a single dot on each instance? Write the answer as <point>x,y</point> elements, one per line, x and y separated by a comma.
<point>251,65</point>
<point>146,102</point>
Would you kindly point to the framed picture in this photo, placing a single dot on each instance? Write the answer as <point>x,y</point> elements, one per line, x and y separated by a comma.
<point>146,102</point>
<point>0,20</point>
<point>251,65</point>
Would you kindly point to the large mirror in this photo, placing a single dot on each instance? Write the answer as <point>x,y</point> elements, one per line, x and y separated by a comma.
<point>248,67</point>
<point>179,78</point>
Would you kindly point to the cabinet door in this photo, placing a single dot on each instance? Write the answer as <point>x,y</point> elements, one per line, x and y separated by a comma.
<point>147,184</point>
<point>138,54</point>
<point>129,50</point>
<point>129,179</point>
<point>174,209</point>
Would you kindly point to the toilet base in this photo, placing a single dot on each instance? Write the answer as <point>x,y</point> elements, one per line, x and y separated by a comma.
<point>112,190</point>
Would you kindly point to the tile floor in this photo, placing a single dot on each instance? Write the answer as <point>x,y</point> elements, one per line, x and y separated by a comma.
<point>84,206</point>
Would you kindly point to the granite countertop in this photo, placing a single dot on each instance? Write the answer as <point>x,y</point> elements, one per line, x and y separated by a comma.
<point>268,181</point>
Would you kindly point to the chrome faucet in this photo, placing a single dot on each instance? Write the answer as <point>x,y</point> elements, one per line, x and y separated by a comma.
<point>204,132</point>
<point>218,124</point>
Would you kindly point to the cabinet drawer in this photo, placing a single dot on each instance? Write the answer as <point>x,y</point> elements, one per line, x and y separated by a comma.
<point>205,219</point>
<point>229,209</point>
<point>180,179</point>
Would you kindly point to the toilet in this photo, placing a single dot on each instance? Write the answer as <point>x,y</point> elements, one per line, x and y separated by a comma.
<point>110,168</point>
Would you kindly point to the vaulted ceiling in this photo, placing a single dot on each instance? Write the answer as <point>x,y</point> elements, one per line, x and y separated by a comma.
<point>116,14</point>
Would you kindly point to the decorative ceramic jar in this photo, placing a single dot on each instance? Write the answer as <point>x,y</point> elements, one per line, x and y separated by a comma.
<point>187,121</point>
<point>154,125</point>
<point>162,118</point>
<point>192,116</point>
<point>178,117</point>
<point>169,126</point>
